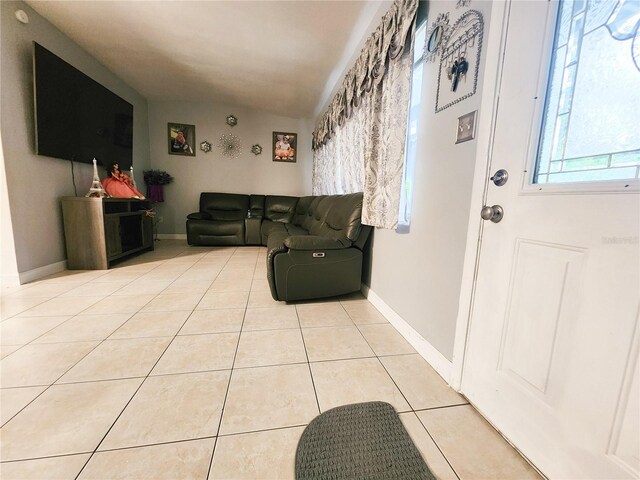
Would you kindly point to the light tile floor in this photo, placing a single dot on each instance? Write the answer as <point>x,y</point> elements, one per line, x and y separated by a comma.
<point>177,364</point>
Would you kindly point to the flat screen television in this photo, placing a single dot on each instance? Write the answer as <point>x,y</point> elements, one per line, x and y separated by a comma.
<point>76,117</point>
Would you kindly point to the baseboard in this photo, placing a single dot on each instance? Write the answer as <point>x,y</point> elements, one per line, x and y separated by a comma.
<point>438,361</point>
<point>41,272</point>
<point>172,236</point>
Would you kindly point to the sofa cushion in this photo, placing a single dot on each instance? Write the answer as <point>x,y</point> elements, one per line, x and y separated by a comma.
<point>224,206</point>
<point>344,216</point>
<point>199,216</point>
<point>295,230</point>
<point>215,232</point>
<point>308,220</point>
<point>269,227</point>
<point>319,213</point>
<point>302,210</point>
<point>313,242</point>
<point>338,217</point>
<point>279,208</point>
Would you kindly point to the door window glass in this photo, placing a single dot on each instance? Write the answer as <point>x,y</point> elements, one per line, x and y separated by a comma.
<point>591,120</point>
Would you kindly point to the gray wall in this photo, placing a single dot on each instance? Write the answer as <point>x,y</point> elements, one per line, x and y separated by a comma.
<point>419,274</point>
<point>213,172</point>
<point>36,183</point>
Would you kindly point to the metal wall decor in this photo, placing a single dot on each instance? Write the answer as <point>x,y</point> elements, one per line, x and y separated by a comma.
<point>460,55</point>
<point>256,149</point>
<point>232,120</point>
<point>205,147</point>
<point>435,36</point>
<point>230,145</point>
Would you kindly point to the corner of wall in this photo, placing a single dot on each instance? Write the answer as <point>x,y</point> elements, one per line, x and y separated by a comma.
<point>427,351</point>
<point>8,265</point>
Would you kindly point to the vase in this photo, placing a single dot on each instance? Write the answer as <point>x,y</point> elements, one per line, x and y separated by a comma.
<point>155,193</point>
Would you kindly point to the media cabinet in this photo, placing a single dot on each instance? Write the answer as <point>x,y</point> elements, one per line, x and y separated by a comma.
<point>99,231</point>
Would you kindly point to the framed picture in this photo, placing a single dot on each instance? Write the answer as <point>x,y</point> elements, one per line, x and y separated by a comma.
<point>285,147</point>
<point>466,127</point>
<point>182,139</point>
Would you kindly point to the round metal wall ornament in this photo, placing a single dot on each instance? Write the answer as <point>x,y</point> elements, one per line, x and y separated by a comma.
<point>232,121</point>
<point>205,147</point>
<point>256,149</point>
<point>230,145</point>
<point>435,37</point>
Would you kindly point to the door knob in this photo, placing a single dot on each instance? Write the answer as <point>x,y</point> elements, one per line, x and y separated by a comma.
<point>494,213</point>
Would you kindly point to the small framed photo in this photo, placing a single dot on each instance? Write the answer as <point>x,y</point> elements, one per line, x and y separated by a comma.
<point>285,147</point>
<point>182,139</point>
<point>466,127</point>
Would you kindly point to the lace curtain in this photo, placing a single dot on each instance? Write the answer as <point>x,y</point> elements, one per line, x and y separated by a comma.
<point>360,142</point>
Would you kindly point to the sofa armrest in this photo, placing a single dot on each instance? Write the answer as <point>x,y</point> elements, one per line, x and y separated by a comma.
<point>199,216</point>
<point>315,242</point>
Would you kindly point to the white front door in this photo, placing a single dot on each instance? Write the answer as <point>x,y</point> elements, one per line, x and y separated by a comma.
<point>552,351</point>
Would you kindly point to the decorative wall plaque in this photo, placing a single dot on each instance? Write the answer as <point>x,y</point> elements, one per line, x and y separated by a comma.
<point>230,145</point>
<point>256,149</point>
<point>205,147</point>
<point>460,60</point>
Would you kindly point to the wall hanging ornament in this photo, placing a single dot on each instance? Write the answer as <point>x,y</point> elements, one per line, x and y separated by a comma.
<point>256,149</point>
<point>435,37</point>
<point>230,145</point>
<point>232,120</point>
<point>460,54</point>
<point>205,147</point>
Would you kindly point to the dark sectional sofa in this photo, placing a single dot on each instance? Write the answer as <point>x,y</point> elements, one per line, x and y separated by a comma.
<point>314,244</point>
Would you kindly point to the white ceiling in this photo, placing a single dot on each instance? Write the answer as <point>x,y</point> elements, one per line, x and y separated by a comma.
<point>269,55</point>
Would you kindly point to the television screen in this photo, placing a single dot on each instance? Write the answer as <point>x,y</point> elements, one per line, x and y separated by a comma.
<point>76,117</point>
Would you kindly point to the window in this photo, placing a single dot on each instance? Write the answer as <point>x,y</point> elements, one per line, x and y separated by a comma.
<point>406,195</point>
<point>590,129</point>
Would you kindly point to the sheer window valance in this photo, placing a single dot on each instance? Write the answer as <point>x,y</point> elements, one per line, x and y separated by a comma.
<point>385,45</point>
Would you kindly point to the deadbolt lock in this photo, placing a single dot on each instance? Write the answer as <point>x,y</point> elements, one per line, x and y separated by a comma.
<point>500,177</point>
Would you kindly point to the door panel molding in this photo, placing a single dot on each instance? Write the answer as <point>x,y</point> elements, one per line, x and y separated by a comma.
<point>535,312</point>
<point>624,444</point>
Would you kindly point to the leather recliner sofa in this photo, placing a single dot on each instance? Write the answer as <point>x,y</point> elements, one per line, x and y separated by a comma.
<point>314,244</point>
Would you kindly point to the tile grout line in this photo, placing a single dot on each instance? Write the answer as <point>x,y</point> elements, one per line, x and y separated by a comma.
<point>200,263</point>
<point>58,378</point>
<point>134,393</point>
<point>153,444</point>
<point>377,357</point>
<point>412,410</point>
<point>235,354</point>
<point>71,317</point>
<point>36,282</point>
<point>437,446</point>
<point>407,400</point>
<point>304,344</point>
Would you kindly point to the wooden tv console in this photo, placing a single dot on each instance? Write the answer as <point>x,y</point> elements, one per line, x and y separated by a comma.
<point>99,231</point>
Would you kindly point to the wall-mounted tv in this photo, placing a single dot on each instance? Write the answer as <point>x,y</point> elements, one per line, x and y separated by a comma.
<point>76,117</point>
